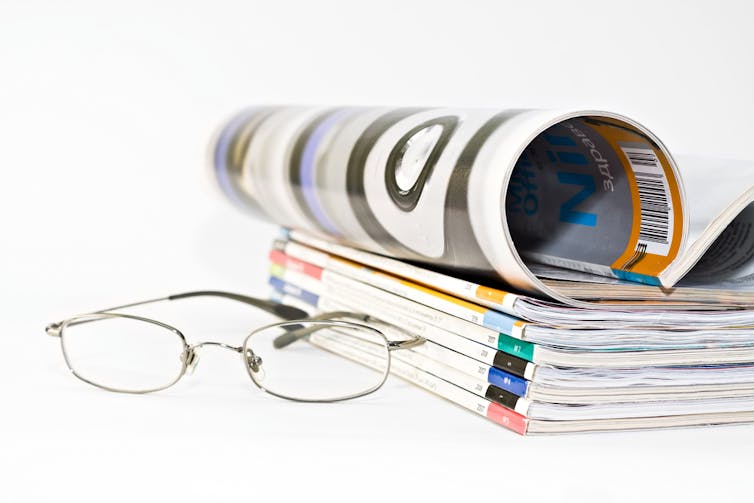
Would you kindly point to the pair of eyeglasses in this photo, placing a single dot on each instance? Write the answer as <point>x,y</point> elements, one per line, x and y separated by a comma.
<point>326,358</point>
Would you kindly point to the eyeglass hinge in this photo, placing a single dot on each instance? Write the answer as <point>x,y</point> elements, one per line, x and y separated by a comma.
<point>408,343</point>
<point>53,329</point>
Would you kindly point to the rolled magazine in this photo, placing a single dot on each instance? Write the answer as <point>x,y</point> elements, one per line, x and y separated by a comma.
<point>571,205</point>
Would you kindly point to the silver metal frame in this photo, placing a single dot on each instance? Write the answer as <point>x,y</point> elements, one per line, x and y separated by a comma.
<point>324,323</point>
<point>188,357</point>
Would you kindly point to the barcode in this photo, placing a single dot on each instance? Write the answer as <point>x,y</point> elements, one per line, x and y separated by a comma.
<point>653,195</point>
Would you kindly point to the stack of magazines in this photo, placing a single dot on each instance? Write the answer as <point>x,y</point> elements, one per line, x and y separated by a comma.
<point>566,274</point>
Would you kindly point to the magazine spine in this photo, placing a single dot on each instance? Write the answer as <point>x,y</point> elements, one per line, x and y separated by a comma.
<point>392,312</point>
<point>458,307</point>
<point>313,264</point>
<point>490,297</point>
<point>510,380</point>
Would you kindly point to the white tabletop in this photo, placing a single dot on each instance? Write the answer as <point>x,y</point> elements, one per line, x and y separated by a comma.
<point>105,116</point>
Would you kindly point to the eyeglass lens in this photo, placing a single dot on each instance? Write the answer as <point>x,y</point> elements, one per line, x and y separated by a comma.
<point>124,354</point>
<point>317,361</point>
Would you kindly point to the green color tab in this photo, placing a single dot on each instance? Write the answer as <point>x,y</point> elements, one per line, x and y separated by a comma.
<point>515,347</point>
<point>277,270</point>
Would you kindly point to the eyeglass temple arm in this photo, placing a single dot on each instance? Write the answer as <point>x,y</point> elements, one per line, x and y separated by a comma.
<point>292,336</point>
<point>283,311</point>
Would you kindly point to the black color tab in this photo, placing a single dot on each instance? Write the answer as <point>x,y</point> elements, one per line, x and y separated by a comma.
<point>510,363</point>
<point>499,395</point>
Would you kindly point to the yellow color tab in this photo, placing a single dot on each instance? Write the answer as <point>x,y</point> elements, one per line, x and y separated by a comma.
<point>489,294</point>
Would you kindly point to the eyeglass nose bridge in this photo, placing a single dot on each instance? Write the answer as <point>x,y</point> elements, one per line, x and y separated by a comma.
<point>236,349</point>
<point>191,358</point>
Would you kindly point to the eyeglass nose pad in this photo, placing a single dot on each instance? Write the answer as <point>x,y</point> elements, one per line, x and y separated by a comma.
<point>255,364</point>
<point>191,359</point>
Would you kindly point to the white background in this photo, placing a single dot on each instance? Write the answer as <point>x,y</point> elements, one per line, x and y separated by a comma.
<point>105,114</point>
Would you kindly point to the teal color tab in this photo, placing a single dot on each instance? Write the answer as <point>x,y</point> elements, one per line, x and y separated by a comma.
<point>516,347</point>
<point>636,277</point>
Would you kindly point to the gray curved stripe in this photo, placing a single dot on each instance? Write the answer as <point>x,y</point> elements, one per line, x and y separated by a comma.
<point>462,249</point>
<point>355,181</point>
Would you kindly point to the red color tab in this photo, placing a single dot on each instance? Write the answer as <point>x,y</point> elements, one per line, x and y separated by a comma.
<point>507,418</point>
<point>294,264</point>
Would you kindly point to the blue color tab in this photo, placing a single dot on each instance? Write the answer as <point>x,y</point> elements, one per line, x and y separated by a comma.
<point>637,278</point>
<point>294,291</point>
<point>508,382</point>
<point>499,322</point>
